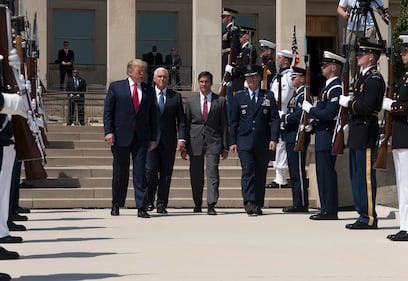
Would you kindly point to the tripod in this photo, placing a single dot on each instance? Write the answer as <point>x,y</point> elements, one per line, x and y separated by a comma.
<point>362,24</point>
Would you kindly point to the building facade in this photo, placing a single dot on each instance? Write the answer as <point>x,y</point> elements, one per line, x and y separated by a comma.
<point>106,34</point>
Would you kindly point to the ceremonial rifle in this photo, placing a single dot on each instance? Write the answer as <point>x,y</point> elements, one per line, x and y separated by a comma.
<point>304,119</point>
<point>226,79</point>
<point>381,159</point>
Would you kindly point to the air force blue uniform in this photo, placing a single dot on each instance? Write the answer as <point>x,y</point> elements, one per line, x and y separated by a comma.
<point>325,113</point>
<point>253,126</point>
<point>296,160</point>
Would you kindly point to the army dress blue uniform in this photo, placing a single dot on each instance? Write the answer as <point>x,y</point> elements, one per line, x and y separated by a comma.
<point>253,126</point>
<point>296,159</point>
<point>362,141</point>
<point>325,113</point>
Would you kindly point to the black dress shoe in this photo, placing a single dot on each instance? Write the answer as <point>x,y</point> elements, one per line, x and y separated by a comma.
<point>161,210</point>
<point>361,225</point>
<point>249,208</point>
<point>16,227</point>
<point>211,211</point>
<point>115,211</point>
<point>274,184</point>
<point>8,255</point>
<point>4,277</point>
<point>11,239</point>
<point>197,209</point>
<point>141,213</point>
<point>258,211</point>
<point>17,217</point>
<point>150,207</point>
<point>400,236</point>
<point>21,210</point>
<point>294,209</point>
<point>323,217</point>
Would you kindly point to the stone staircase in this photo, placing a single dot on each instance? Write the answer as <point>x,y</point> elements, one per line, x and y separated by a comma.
<point>79,167</point>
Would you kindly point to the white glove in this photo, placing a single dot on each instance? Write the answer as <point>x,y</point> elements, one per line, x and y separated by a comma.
<point>387,102</point>
<point>306,106</point>
<point>14,105</point>
<point>14,60</point>
<point>228,68</point>
<point>344,100</point>
<point>280,113</point>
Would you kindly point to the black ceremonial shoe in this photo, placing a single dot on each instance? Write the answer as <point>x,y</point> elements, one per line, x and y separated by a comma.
<point>141,213</point>
<point>16,227</point>
<point>8,255</point>
<point>323,216</point>
<point>11,239</point>
<point>361,225</point>
<point>4,277</point>
<point>400,236</point>
<point>115,211</point>
<point>294,209</point>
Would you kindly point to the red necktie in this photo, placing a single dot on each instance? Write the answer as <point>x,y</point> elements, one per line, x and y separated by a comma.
<point>205,109</point>
<point>135,97</point>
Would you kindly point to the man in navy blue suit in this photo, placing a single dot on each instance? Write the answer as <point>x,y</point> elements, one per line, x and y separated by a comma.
<point>130,125</point>
<point>254,132</point>
<point>160,161</point>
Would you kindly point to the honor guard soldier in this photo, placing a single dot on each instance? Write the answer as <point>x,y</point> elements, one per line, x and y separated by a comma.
<point>325,113</point>
<point>399,112</point>
<point>282,89</point>
<point>230,38</point>
<point>268,59</point>
<point>246,56</point>
<point>254,131</point>
<point>296,159</point>
<point>363,133</point>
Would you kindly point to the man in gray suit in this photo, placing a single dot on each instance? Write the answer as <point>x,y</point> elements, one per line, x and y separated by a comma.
<point>206,137</point>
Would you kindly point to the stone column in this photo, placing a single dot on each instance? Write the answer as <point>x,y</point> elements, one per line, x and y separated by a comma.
<point>121,34</point>
<point>288,14</point>
<point>206,40</point>
<point>29,8</point>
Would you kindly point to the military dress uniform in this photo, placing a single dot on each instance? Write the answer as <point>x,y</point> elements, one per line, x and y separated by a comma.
<point>362,140</point>
<point>282,81</point>
<point>268,62</point>
<point>230,40</point>
<point>398,108</point>
<point>325,114</point>
<point>296,159</point>
<point>254,123</point>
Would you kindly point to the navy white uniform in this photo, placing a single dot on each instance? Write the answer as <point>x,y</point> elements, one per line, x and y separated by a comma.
<point>282,80</point>
<point>325,113</point>
<point>363,133</point>
<point>296,160</point>
<point>253,126</point>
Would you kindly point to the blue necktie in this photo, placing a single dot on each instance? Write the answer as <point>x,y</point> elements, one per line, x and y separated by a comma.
<point>161,102</point>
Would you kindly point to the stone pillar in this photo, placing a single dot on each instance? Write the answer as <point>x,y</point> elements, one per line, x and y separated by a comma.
<point>288,14</point>
<point>40,7</point>
<point>206,40</point>
<point>121,34</point>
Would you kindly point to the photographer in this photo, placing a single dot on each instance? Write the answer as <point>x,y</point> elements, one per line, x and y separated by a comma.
<point>360,23</point>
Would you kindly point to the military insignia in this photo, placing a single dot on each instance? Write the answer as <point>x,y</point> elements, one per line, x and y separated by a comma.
<point>361,88</point>
<point>265,111</point>
<point>243,111</point>
<point>266,102</point>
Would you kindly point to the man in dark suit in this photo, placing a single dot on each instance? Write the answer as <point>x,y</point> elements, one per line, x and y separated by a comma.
<point>153,59</point>
<point>254,132</point>
<point>76,86</point>
<point>173,63</point>
<point>207,137</point>
<point>130,126</point>
<point>66,63</point>
<point>160,161</point>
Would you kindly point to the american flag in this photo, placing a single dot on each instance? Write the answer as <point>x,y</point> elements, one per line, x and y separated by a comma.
<point>295,48</point>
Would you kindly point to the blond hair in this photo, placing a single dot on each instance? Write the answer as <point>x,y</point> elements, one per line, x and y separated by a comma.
<point>136,62</point>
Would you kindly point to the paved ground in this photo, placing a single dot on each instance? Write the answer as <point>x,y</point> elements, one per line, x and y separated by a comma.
<point>83,244</point>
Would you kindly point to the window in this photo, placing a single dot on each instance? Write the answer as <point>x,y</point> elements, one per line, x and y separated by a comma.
<point>76,27</point>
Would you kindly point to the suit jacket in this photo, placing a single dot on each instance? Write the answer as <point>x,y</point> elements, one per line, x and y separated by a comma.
<point>172,121</point>
<point>151,61</point>
<point>65,57</point>
<point>70,87</point>
<point>170,63</point>
<point>120,118</point>
<point>253,126</point>
<point>210,136</point>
